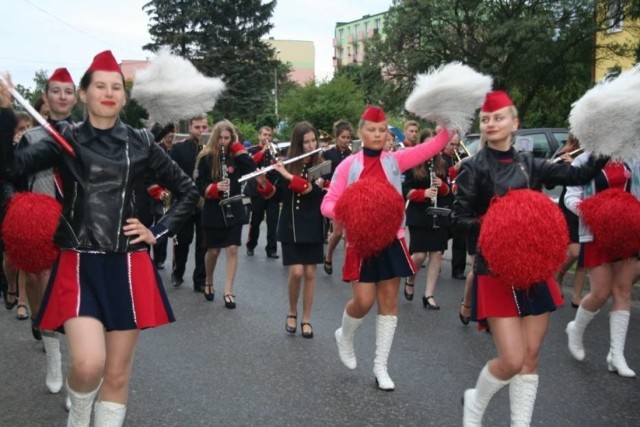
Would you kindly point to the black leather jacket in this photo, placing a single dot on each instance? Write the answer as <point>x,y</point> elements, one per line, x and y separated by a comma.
<point>100,182</point>
<point>483,176</point>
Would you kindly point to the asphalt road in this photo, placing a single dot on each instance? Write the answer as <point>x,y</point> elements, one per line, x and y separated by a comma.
<point>239,367</point>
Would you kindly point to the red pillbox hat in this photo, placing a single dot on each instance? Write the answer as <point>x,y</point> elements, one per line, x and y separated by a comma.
<point>374,114</point>
<point>495,101</point>
<point>104,61</point>
<point>61,75</point>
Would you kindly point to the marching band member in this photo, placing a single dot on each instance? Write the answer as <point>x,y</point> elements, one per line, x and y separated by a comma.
<point>103,287</point>
<point>518,318</point>
<point>608,277</point>
<point>428,234</point>
<point>219,166</point>
<point>375,279</point>
<point>342,132</point>
<point>300,229</point>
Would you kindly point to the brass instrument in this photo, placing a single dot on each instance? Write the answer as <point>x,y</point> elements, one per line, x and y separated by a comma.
<point>465,148</point>
<point>434,210</point>
<point>225,177</point>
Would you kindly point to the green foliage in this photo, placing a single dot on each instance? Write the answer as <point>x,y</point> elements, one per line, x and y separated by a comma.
<point>133,114</point>
<point>248,131</point>
<point>540,51</point>
<point>323,104</point>
<point>223,38</point>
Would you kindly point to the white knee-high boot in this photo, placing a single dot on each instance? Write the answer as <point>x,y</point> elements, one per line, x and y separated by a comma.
<point>477,399</point>
<point>575,331</point>
<point>109,414</point>
<point>385,330</point>
<point>618,325</point>
<point>344,338</point>
<point>522,398</point>
<point>81,404</point>
<point>54,361</point>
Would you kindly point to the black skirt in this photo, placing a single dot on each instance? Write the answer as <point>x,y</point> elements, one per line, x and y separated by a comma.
<point>573,222</point>
<point>222,237</point>
<point>422,239</point>
<point>302,253</point>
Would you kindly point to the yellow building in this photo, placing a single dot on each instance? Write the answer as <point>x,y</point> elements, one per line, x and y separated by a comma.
<point>301,54</point>
<point>621,32</point>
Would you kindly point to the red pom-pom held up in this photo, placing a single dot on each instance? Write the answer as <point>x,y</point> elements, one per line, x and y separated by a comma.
<point>613,216</point>
<point>524,238</point>
<point>371,211</point>
<point>28,228</point>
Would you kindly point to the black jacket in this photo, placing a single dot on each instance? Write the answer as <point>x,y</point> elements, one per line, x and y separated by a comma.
<point>336,156</point>
<point>482,177</point>
<point>184,153</point>
<point>100,183</point>
<point>416,212</point>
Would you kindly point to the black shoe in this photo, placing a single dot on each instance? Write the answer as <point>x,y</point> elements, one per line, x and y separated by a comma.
<point>291,330</point>
<point>37,334</point>
<point>574,305</point>
<point>9,305</point>
<point>229,301</point>
<point>464,319</point>
<point>209,296</point>
<point>250,252</point>
<point>177,281</point>
<point>459,276</point>
<point>426,303</point>
<point>328,267</point>
<point>160,265</point>
<point>408,296</point>
<point>273,255</point>
<point>306,334</point>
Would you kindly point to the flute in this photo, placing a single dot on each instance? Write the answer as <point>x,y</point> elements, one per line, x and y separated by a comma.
<point>572,154</point>
<point>271,167</point>
<point>41,120</point>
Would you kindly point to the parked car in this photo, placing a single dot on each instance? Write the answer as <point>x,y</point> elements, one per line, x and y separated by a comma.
<point>543,142</point>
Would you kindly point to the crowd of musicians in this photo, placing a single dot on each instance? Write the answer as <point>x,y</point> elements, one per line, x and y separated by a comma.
<point>195,192</point>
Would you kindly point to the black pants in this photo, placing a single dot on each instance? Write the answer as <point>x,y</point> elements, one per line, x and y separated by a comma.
<point>181,250</point>
<point>259,207</point>
<point>160,249</point>
<point>458,255</point>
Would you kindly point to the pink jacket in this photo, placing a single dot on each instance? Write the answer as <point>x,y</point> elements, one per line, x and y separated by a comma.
<point>393,163</point>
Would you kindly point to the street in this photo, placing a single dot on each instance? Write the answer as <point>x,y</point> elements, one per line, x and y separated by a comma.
<point>239,367</point>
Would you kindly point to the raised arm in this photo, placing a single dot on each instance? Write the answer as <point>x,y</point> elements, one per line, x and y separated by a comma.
<point>414,156</point>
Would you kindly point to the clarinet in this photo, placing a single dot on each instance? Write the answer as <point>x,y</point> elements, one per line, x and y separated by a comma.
<point>225,177</point>
<point>434,199</point>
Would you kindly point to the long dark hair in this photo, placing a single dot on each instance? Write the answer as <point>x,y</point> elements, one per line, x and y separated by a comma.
<point>296,148</point>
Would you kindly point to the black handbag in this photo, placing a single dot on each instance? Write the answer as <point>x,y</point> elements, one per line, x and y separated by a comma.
<point>234,213</point>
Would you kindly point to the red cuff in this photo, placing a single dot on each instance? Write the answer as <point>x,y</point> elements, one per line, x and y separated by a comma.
<point>455,188</point>
<point>298,184</point>
<point>155,191</point>
<point>236,148</point>
<point>267,190</point>
<point>417,195</point>
<point>326,184</point>
<point>212,192</point>
<point>258,156</point>
<point>452,173</point>
<point>443,190</point>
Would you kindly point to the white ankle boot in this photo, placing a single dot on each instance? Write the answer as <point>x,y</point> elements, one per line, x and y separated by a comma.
<point>575,331</point>
<point>81,404</point>
<point>618,325</point>
<point>344,338</point>
<point>109,414</point>
<point>54,361</point>
<point>385,329</point>
<point>477,399</point>
<point>522,398</point>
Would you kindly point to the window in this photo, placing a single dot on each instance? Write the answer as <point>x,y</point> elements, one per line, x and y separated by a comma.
<point>378,24</point>
<point>615,15</point>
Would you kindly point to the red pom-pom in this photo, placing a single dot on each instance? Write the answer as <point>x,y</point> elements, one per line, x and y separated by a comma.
<point>27,231</point>
<point>613,216</point>
<point>372,212</point>
<point>524,238</point>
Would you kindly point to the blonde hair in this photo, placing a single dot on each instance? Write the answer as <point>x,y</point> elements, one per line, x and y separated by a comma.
<point>212,148</point>
<point>514,114</point>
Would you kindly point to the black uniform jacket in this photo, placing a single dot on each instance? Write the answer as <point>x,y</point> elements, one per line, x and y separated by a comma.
<point>416,212</point>
<point>336,156</point>
<point>184,153</point>
<point>212,214</point>
<point>273,176</point>
<point>300,217</point>
<point>100,182</point>
<point>482,177</point>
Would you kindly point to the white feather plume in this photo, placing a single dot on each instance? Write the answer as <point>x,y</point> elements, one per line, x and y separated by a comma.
<point>171,88</point>
<point>606,120</point>
<point>449,95</point>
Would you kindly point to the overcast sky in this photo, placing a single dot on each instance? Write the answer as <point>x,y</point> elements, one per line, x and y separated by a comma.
<point>44,34</point>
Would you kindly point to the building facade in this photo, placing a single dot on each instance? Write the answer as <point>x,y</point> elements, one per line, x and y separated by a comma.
<point>301,54</point>
<point>350,37</point>
<point>620,32</point>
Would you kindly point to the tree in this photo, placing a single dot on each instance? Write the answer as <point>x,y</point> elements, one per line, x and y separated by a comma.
<point>133,113</point>
<point>222,38</point>
<point>541,51</point>
<point>324,103</point>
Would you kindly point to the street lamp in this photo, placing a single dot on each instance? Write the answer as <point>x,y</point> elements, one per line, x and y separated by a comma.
<point>275,84</point>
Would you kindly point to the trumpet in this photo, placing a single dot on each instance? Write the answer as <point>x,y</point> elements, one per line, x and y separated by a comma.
<point>271,167</point>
